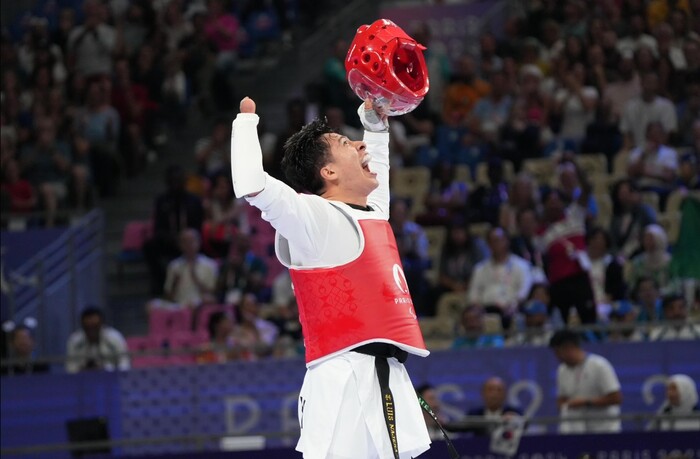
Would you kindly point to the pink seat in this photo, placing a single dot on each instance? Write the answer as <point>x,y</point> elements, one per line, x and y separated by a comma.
<point>165,322</point>
<point>136,232</point>
<point>204,313</point>
<point>144,344</point>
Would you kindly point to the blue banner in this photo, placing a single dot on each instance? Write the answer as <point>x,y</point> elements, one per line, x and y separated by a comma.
<point>258,398</point>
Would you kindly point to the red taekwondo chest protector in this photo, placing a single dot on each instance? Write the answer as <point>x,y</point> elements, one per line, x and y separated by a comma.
<point>387,66</point>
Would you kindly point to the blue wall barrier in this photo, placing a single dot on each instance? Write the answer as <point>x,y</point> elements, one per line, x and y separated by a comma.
<point>258,398</point>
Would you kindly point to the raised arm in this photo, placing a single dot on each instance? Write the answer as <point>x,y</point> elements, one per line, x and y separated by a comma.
<point>377,139</point>
<point>301,219</point>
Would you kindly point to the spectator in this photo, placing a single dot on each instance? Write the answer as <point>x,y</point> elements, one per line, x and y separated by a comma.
<point>630,217</point>
<point>502,281</point>
<point>438,66</point>
<point>689,172</point>
<point>603,134</point>
<point>20,352</point>
<point>681,400</point>
<point>175,26</point>
<point>491,113</point>
<point>646,108</point>
<point>494,408</point>
<point>96,346</point>
<point>191,278</point>
<point>222,215</point>
<point>625,88</point>
<point>576,104</point>
<point>524,243</point>
<point>222,31</point>
<point>474,335</point>
<point>537,331</point>
<point>465,90</point>
<point>675,311</point>
<point>459,255</point>
<point>654,165</point>
<point>654,260</point>
<point>428,393</point>
<point>213,153</point>
<point>636,38</point>
<point>18,195</point>
<point>255,336</point>
<point>484,204</point>
<point>413,249</point>
<point>605,270</point>
<point>174,210</point>
<point>47,164</point>
<point>586,385</point>
<point>568,174</point>
<point>648,299</point>
<point>241,272</point>
<point>522,194</point>
<point>221,347</point>
<point>100,125</point>
<point>286,319</point>
<point>562,239</point>
<point>446,199</point>
<point>622,322</point>
<point>90,46</point>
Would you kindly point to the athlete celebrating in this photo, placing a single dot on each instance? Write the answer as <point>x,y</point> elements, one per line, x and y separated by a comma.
<point>358,320</point>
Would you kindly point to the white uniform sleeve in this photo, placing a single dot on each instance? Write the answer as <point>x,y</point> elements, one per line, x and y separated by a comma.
<point>246,156</point>
<point>378,148</point>
<point>303,220</point>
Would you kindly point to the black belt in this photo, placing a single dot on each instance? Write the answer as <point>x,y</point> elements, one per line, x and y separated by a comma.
<point>381,352</point>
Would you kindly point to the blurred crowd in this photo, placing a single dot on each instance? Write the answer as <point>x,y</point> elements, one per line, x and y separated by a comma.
<point>546,181</point>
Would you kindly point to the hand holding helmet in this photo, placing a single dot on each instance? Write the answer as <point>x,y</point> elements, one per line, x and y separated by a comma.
<point>387,66</point>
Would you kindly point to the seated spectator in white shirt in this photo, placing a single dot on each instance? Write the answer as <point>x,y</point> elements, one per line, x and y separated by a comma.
<point>502,281</point>
<point>675,313</point>
<point>654,165</point>
<point>586,386</point>
<point>191,278</point>
<point>623,319</point>
<point>681,400</point>
<point>641,111</point>
<point>96,346</point>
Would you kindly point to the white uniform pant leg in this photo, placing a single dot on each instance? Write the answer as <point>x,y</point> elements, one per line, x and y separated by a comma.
<point>341,415</point>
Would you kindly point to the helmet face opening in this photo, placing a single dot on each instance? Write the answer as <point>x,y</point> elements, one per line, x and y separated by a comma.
<point>387,66</point>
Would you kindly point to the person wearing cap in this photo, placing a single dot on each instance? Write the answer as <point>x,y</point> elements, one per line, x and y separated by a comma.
<point>537,327</point>
<point>623,317</point>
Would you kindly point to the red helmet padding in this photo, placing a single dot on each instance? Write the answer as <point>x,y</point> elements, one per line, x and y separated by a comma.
<point>386,65</point>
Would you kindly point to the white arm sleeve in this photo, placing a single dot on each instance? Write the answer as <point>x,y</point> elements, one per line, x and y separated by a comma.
<point>304,220</point>
<point>246,156</point>
<point>378,149</point>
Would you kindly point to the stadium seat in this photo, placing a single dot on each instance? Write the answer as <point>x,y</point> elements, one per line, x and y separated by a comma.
<point>437,328</point>
<point>604,203</point>
<point>673,203</point>
<point>164,322</point>
<point>184,345</point>
<point>412,183</point>
<point>142,344</point>
<point>593,164</point>
<point>463,173</point>
<point>136,233</point>
<point>541,169</point>
<point>450,306</point>
<point>620,164</point>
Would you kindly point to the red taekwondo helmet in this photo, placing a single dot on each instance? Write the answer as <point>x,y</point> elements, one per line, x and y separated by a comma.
<point>387,66</point>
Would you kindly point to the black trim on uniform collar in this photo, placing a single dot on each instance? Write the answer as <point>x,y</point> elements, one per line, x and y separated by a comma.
<point>355,206</point>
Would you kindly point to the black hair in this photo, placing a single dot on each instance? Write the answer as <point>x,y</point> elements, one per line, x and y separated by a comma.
<point>596,230</point>
<point>535,286</point>
<point>670,299</point>
<point>214,321</point>
<point>423,388</point>
<point>548,191</point>
<point>305,153</point>
<point>92,311</point>
<point>635,292</point>
<point>617,206</point>
<point>564,338</point>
